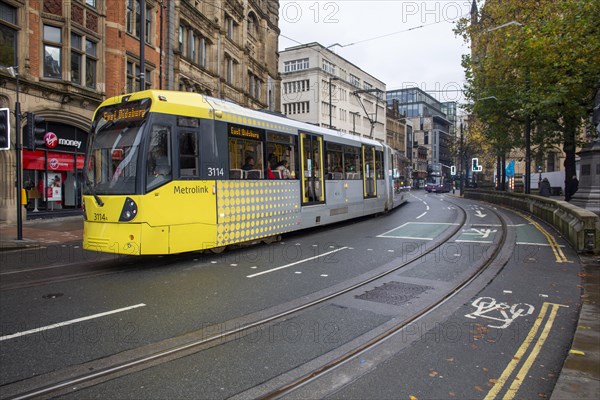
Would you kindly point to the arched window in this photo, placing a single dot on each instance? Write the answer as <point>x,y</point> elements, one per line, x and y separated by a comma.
<point>253,25</point>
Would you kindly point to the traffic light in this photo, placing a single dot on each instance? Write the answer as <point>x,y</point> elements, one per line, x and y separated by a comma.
<point>36,128</point>
<point>452,170</point>
<point>4,129</point>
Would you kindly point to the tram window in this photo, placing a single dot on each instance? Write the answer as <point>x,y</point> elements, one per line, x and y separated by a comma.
<point>281,147</point>
<point>379,164</point>
<point>188,154</point>
<point>335,161</point>
<point>245,155</point>
<point>159,160</point>
<point>352,162</point>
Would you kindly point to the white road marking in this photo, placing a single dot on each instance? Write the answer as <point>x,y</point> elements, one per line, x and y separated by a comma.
<point>537,244</point>
<point>422,215</point>
<point>70,322</point>
<point>295,263</point>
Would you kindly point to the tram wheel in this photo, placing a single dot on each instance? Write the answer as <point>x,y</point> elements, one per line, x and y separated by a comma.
<point>218,250</point>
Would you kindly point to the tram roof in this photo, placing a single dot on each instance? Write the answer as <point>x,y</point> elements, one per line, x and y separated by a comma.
<point>186,103</point>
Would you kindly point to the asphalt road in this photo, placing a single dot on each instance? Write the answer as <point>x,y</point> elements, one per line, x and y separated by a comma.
<point>460,350</point>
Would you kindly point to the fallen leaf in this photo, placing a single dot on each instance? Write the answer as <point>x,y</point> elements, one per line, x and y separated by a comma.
<point>474,346</point>
<point>450,360</point>
<point>494,381</point>
<point>451,394</point>
<point>543,395</point>
<point>485,369</point>
<point>413,398</point>
<point>479,389</point>
<point>432,373</point>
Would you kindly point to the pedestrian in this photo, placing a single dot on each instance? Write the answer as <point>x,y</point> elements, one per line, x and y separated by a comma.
<point>545,188</point>
<point>249,164</point>
<point>284,170</point>
<point>571,188</point>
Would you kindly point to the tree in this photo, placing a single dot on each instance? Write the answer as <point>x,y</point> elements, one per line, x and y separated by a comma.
<point>542,69</point>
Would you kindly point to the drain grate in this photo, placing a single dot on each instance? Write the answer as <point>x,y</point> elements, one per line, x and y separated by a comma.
<point>394,293</point>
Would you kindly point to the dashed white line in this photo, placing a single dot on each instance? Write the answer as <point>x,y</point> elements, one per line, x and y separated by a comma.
<point>70,322</point>
<point>295,263</point>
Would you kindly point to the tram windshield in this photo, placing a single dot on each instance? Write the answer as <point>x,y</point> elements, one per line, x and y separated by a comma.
<point>112,165</point>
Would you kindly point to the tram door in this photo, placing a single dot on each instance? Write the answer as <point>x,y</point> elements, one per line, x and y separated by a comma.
<point>369,171</point>
<point>311,148</point>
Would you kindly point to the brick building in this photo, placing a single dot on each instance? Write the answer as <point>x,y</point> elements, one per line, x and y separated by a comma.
<point>73,54</point>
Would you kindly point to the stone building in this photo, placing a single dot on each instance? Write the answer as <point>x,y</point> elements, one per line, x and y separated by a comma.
<point>73,54</point>
<point>322,88</point>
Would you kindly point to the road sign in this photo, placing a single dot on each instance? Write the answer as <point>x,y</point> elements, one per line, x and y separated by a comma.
<point>510,168</point>
<point>452,170</point>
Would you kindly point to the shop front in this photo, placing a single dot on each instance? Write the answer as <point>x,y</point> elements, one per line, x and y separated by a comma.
<point>53,173</point>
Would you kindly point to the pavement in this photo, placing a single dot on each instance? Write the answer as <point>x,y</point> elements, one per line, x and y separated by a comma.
<point>580,375</point>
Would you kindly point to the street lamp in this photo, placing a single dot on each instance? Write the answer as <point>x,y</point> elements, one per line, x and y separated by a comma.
<point>14,71</point>
<point>331,78</point>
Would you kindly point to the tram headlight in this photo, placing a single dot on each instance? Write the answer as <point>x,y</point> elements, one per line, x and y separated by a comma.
<point>129,210</point>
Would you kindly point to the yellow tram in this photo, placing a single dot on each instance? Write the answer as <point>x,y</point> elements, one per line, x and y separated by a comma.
<point>170,172</point>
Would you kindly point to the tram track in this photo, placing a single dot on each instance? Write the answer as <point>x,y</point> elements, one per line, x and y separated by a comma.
<point>317,373</point>
<point>96,372</point>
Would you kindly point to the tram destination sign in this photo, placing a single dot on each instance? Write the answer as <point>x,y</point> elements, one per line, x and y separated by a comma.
<point>245,132</point>
<point>124,111</point>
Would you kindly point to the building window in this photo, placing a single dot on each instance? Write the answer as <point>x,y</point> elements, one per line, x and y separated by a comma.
<point>354,80</point>
<point>295,65</point>
<point>148,23</point>
<point>253,25</point>
<point>8,35</point>
<point>230,27</point>
<point>191,53</point>
<point>181,33</point>
<point>302,107</point>
<point>133,77</point>
<point>202,52</point>
<point>91,3</point>
<point>134,19</point>
<point>254,86</point>
<point>52,52</point>
<point>76,58</point>
<point>328,67</point>
<point>296,86</point>
<point>130,15</point>
<point>83,58</point>
<point>367,86</point>
<point>90,64</point>
<point>230,69</point>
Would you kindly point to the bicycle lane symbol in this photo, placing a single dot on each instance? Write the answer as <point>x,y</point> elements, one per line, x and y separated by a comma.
<point>489,308</point>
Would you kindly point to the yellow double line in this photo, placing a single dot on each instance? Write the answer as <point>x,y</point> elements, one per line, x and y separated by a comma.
<point>558,253</point>
<point>526,365</point>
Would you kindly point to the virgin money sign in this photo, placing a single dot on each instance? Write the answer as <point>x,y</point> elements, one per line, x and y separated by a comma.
<point>55,161</point>
<point>51,140</point>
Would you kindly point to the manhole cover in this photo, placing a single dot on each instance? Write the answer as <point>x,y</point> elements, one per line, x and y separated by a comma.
<point>394,293</point>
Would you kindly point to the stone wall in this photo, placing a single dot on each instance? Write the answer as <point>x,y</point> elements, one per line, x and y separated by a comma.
<point>577,225</point>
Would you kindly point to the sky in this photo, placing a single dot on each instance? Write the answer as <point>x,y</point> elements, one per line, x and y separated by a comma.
<point>401,43</point>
